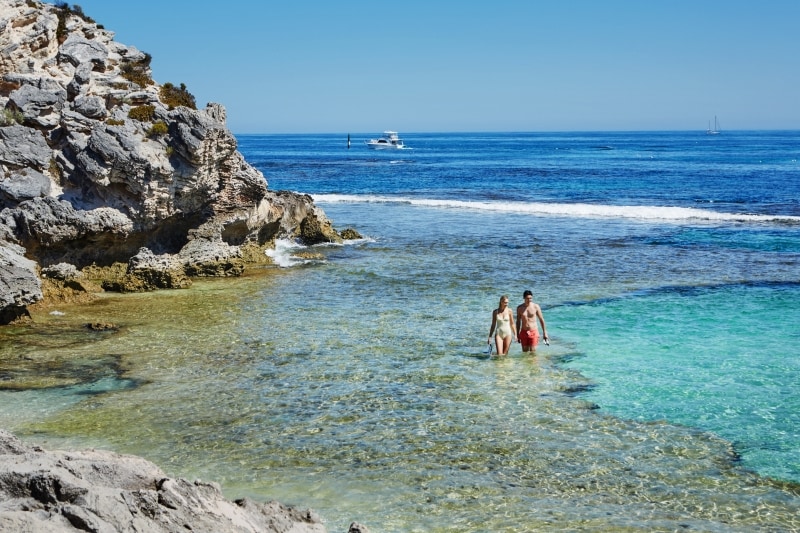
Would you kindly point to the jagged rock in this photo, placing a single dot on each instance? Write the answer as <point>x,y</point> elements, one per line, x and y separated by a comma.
<point>79,50</point>
<point>204,258</point>
<point>83,74</point>
<point>90,106</point>
<point>316,228</point>
<point>39,107</point>
<point>22,147</point>
<point>54,231</point>
<point>148,271</point>
<point>19,284</point>
<point>92,490</point>
<point>23,185</point>
<point>64,283</point>
<point>311,226</point>
<point>61,272</point>
<point>184,192</point>
<point>350,234</point>
<point>158,271</point>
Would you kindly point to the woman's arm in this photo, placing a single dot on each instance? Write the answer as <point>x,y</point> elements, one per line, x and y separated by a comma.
<point>494,323</point>
<point>515,338</point>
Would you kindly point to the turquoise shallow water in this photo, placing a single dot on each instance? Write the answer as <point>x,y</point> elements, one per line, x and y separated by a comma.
<point>356,384</point>
<point>711,357</point>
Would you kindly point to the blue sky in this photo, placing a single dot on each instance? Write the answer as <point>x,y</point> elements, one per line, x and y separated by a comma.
<point>308,66</point>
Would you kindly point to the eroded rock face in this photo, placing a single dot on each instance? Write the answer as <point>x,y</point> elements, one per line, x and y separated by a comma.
<point>95,165</point>
<point>50,491</point>
<point>19,284</point>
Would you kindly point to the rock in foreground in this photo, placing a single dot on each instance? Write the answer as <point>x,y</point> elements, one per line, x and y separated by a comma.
<point>98,491</point>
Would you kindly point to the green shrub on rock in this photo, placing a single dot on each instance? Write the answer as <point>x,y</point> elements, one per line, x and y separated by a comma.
<point>177,96</point>
<point>55,171</point>
<point>63,11</point>
<point>138,71</point>
<point>158,129</point>
<point>9,117</point>
<point>142,113</point>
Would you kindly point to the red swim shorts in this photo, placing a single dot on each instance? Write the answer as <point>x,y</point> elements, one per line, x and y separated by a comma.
<point>529,337</point>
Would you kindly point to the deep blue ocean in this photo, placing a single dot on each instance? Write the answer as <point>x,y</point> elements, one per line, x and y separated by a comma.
<point>353,379</point>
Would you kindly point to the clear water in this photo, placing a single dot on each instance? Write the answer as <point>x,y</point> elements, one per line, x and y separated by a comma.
<point>667,268</point>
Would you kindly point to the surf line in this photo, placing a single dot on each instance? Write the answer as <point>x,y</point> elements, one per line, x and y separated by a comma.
<point>578,210</point>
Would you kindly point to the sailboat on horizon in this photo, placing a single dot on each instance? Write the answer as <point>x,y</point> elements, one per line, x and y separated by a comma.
<point>715,131</point>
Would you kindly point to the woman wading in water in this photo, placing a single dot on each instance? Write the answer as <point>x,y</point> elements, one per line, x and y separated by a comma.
<point>503,327</point>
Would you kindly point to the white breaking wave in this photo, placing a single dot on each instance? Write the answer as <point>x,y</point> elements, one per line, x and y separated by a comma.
<point>641,212</point>
<point>283,253</point>
<point>362,240</point>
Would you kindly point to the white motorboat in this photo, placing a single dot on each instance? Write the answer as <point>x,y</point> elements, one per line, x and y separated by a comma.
<point>388,141</point>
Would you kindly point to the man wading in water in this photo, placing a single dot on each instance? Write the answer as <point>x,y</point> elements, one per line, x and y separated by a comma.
<point>527,313</point>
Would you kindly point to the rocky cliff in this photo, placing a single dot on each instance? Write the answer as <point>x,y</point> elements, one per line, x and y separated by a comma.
<point>101,166</point>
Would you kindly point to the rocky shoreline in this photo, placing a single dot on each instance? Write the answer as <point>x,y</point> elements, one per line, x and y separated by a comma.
<point>110,181</point>
<point>110,177</point>
<point>98,491</point>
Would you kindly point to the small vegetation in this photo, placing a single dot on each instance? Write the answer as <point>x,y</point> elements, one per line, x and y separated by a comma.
<point>63,11</point>
<point>55,171</point>
<point>142,113</point>
<point>177,96</point>
<point>9,117</point>
<point>138,71</point>
<point>115,122</point>
<point>158,129</point>
<point>75,10</point>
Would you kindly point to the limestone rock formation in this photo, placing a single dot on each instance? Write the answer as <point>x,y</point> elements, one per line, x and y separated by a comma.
<point>98,161</point>
<point>19,285</point>
<point>58,491</point>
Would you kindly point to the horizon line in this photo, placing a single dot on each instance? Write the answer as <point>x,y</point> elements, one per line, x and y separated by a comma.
<point>451,132</point>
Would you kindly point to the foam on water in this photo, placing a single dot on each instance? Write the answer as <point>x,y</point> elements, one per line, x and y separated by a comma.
<point>284,254</point>
<point>659,213</point>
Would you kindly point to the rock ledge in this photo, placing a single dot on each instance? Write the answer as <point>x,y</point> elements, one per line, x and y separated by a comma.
<point>98,491</point>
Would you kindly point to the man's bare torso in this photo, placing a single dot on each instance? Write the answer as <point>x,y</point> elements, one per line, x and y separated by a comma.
<point>527,316</point>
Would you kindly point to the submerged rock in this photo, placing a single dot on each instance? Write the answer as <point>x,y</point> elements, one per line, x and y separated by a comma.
<point>98,160</point>
<point>101,326</point>
<point>350,234</point>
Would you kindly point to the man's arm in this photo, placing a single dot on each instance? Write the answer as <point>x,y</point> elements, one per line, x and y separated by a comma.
<point>541,321</point>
